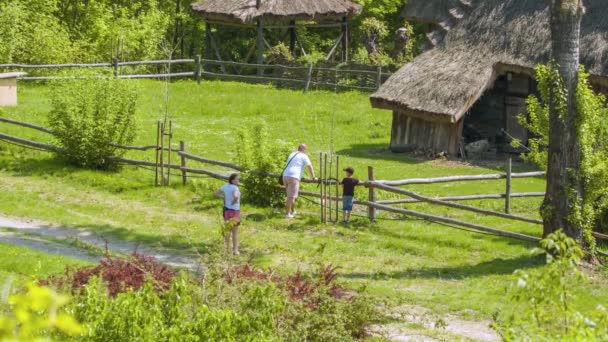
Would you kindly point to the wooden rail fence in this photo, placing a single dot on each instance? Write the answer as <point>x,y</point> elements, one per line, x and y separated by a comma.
<point>357,77</point>
<point>373,185</point>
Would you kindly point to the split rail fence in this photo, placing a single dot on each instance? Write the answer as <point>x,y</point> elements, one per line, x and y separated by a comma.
<point>306,77</point>
<point>163,168</point>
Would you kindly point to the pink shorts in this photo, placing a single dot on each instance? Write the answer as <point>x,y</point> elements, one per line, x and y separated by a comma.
<point>232,214</point>
<point>293,186</point>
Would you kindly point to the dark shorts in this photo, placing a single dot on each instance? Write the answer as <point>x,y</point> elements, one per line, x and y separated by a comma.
<point>347,203</point>
<point>230,214</point>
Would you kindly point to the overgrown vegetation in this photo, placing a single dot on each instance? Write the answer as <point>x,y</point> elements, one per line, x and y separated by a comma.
<point>88,117</point>
<point>258,155</point>
<point>593,133</point>
<point>547,308</point>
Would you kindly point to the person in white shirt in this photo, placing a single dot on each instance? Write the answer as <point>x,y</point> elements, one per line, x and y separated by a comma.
<point>296,163</point>
<point>232,210</point>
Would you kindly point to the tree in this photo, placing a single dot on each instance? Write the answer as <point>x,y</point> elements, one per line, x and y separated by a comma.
<point>562,207</point>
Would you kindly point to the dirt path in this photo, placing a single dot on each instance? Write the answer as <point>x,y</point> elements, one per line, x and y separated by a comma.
<point>36,235</point>
<point>59,240</point>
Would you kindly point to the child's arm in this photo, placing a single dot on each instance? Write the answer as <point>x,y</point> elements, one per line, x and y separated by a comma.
<point>218,193</point>
<point>235,197</point>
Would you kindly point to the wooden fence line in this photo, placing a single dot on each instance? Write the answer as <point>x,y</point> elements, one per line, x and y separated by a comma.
<point>369,204</point>
<point>197,74</point>
<point>459,178</point>
<point>451,204</point>
<point>466,198</point>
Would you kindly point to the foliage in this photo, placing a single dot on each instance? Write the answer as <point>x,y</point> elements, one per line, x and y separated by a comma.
<point>119,274</point>
<point>90,115</point>
<point>593,134</point>
<point>546,306</point>
<point>279,54</point>
<point>31,34</point>
<point>34,314</point>
<point>258,155</point>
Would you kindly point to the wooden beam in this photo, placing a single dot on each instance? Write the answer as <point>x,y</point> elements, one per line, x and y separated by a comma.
<point>334,47</point>
<point>217,51</point>
<point>207,45</point>
<point>453,205</point>
<point>344,39</point>
<point>466,198</point>
<point>260,46</point>
<point>292,38</point>
<point>459,178</point>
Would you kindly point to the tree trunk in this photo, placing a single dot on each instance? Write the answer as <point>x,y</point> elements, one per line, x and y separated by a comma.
<point>563,199</point>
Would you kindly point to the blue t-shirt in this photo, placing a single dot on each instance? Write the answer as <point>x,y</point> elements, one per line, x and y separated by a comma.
<point>229,191</point>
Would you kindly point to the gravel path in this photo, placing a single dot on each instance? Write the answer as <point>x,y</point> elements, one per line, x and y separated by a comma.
<point>32,234</point>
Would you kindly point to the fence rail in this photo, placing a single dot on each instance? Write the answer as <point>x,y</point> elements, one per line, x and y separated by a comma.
<point>372,204</point>
<point>305,76</point>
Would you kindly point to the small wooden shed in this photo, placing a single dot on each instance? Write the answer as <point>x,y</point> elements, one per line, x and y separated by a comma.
<point>472,82</point>
<point>8,88</point>
<point>278,15</point>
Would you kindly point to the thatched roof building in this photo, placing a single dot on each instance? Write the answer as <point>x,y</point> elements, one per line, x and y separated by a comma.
<point>282,14</point>
<point>474,44</point>
<point>245,11</point>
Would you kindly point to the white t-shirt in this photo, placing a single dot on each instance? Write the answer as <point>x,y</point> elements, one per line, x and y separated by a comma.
<point>297,165</point>
<point>230,190</point>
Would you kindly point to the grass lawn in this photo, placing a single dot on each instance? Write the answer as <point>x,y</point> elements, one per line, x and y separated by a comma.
<point>23,262</point>
<point>411,261</point>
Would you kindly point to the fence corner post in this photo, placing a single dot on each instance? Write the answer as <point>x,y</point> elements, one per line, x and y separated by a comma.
<point>371,211</point>
<point>198,72</point>
<point>308,77</point>
<point>115,66</point>
<point>508,187</point>
<point>182,148</point>
<point>379,77</point>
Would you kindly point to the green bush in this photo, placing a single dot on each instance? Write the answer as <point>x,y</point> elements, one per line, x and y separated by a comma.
<point>544,305</point>
<point>259,156</point>
<point>89,115</point>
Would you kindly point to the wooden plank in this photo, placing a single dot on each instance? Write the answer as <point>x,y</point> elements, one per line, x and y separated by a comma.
<point>308,76</point>
<point>31,143</point>
<point>210,161</point>
<point>26,124</point>
<point>466,198</point>
<point>371,213</point>
<point>451,204</point>
<point>508,187</point>
<point>182,148</point>
<point>459,178</point>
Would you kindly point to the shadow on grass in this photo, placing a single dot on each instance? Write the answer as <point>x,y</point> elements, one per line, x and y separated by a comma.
<point>380,152</point>
<point>498,266</point>
<point>177,243</point>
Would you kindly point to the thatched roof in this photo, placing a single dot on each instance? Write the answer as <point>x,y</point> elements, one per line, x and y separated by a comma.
<point>245,12</point>
<point>495,36</point>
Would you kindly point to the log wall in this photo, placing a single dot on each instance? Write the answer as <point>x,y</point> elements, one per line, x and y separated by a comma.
<point>410,133</point>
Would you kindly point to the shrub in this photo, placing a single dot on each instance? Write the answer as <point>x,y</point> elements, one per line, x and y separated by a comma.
<point>120,275</point>
<point>544,306</point>
<point>89,115</point>
<point>35,313</point>
<point>267,156</point>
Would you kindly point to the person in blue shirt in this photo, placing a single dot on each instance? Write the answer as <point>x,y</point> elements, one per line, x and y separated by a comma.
<point>232,210</point>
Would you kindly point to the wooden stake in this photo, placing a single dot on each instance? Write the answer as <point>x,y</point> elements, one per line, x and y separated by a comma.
<point>182,148</point>
<point>260,46</point>
<point>321,182</point>
<point>379,77</point>
<point>207,45</point>
<point>162,154</point>
<point>508,186</point>
<point>199,68</point>
<point>157,152</point>
<point>371,212</point>
<point>308,77</point>
<point>337,187</point>
<point>344,40</point>
<point>169,154</point>
<point>325,185</point>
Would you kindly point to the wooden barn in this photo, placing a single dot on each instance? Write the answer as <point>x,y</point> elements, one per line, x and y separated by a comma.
<point>283,15</point>
<point>471,82</point>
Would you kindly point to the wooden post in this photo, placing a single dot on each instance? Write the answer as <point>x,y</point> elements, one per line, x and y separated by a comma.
<point>321,182</point>
<point>115,65</point>
<point>344,39</point>
<point>379,77</point>
<point>198,71</point>
<point>260,47</point>
<point>207,45</point>
<point>182,148</point>
<point>371,212</point>
<point>157,151</point>
<point>169,154</point>
<point>325,185</point>
<point>508,187</point>
<point>162,153</point>
<point>308,77</point>
<point>292,37</point>
<point>337,187</point>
